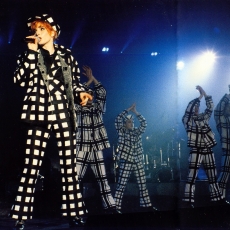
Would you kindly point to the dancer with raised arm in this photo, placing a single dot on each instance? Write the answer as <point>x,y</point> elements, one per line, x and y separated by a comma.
<point>200,140</point>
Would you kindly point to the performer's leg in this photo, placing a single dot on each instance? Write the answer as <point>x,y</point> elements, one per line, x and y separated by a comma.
<point>124,174</point>
<point>82,164</point>
<point>195,159</point>
<point>98,167</point>
<point>35,147</point>
<point>225,171</point>
<point>210,169</point>
<point>141,181</point>
<point>72,201</point>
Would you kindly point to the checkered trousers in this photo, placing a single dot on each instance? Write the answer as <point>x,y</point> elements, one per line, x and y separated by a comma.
<point>198,156</point>
<point>72,201</point>
<point>125,169</point>
<point>225,171</point>
<point>95,160</point>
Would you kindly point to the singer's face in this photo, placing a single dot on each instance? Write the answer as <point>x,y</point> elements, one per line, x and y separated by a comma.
<point>44,35</point>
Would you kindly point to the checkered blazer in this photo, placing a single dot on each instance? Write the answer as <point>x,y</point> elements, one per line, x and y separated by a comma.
<point>223,122</point>
<point>38,98</point>
<point>198,130</point>
<point>130,141</point>
<point>91,132</point>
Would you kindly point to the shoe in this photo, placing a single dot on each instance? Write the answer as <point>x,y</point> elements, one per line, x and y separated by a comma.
<point>112,211</point>
<point>149,209</point>
<point>227,202</point>
<point>222,202</point>
<point>187,204</point>
<point>19,225</point>
<point>76,222</point>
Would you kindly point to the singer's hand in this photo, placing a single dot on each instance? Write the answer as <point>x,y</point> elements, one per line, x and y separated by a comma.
<point>34,45</point>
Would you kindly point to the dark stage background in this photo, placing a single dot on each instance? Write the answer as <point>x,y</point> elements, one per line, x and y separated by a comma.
<point>132,29</point>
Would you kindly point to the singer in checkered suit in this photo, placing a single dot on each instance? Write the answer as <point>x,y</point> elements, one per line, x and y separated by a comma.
<point>92,139</point>
<point>200,140</point>
<point>50,75</point>
<point>130,155</point>
<point>222,118</point>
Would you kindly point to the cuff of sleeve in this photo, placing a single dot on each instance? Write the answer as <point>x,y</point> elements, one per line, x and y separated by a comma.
<point>208,97</point>
<point>98,84</point>
<point>32,51</point>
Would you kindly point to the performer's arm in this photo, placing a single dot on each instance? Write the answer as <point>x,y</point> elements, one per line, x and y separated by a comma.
<point>78,88</point>
<point>26,66</point>
<point>100,92</point>
<point>220,109</point>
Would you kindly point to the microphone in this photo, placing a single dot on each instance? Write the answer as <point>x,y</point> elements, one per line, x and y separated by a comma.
<point>30,40</point>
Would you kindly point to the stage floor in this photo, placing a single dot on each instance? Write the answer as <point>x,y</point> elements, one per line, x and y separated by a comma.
<point>165,196</point>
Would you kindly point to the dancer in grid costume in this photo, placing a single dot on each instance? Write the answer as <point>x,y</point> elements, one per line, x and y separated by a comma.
<point>222,118</point>
<point>51,76</point>
<point>130,155</point>
<point>92,139</point>
<point>200,140</point>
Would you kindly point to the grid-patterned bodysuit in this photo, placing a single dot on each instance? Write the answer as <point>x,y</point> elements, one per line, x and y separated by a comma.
<point>200,140</point>
<point>91,140</point>
<point>131,159</point>
<point>223,127</point>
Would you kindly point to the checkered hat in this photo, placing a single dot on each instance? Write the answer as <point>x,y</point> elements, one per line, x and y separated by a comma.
<point>46,18</point>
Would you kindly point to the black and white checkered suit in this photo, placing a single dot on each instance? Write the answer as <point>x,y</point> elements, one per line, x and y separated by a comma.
<point>46,109</point>
<point>223,127</point>
<point>200,140</point>
<point>130,153</point>
<point>91,140</point>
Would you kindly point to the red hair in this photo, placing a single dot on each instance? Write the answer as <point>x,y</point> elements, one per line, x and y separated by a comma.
<point>48,27</point>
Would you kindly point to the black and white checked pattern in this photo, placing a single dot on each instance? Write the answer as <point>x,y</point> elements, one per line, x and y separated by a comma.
<point>198,156</point>
<point>46,109</point>
<point>200,140</point>
<point>72,202</point>
<point>46,18</point>
<point>36,102</point>
<point>91,133</point>
<point>225,171</point>
<point>95,160</point>
<point>130,141</point>
<point>125,169</point>
<point>198,130</point>
<point>91,140</point>
<point>223,127</point>
<point>223,122</point>
<point>130,153</point>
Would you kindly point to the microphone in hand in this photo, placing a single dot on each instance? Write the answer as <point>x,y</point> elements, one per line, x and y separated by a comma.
<point>30,40</point>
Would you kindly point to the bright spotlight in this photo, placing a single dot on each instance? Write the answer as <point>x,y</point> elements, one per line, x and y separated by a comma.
<point>209,57</point>
<point>105,49</point>
<point>154,54</point>
<point>205,62</point>
<point>180,65</point>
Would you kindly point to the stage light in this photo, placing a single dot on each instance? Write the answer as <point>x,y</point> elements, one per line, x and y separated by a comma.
<point>208,57</point>
<point>154,54</point>
<point>105,49</point>
<point>180,65</point>
<point>204,63</point>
